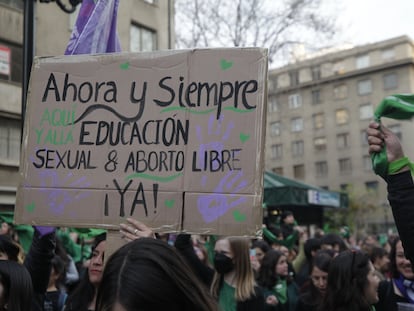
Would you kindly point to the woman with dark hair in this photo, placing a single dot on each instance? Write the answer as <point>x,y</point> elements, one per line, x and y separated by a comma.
<point>83,296</point>
<point>315,288</point>
<point>16,291</point>
<point>399,288</point>
<point>258,250</point>
<point>149,274</point>
<point>280,292</point>
<point>352,283</point>
<point>9,250</point>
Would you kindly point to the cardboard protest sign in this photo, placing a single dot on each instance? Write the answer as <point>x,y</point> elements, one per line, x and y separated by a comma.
<point>174,139</point>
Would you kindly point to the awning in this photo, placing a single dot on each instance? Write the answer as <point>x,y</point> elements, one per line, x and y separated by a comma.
<point>282,191</point>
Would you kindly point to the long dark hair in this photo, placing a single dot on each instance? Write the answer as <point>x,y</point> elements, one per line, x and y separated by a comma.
<point>311,294</point>
<point>9,247</point>
<point>347,279</point>
<point>395,274</point>
<point>267,275</point>
<point>17,286</point>
<point>148,274</point>
<point>84,292</point>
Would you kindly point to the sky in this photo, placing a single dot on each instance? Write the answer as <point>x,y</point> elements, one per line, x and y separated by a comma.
<point>368,21</point>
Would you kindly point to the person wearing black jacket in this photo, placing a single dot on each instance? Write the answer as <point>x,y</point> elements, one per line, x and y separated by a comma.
<point>400,185</point>
<point>38,262</point>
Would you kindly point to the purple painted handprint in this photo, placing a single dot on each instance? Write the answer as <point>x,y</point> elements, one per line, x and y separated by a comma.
<point>58,198</point>
<point>213,206</point>
<point>216,137</point>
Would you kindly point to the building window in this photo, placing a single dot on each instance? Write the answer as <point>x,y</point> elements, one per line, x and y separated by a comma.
<point>318,120</point>
<point>364,87</point>
<point>10,140</point>
<point>273,106</point>
<point>364,138</point>
<point>366,112</point>
<point>296,124</point>
<point>396,129</point>
<point>338,68</point>
<point>316,97</point>
<point>319,143</point>
<point>345,166</point>
<point>272,83</point>
<point>17,4</point>
<point>295,101</point>
<point>344,187</point>
<point>277,151</point>
<point>340,91</point>
<point>390,81</point>
<point>342,140</point>
<point>275,129</point>
<point>371,186</point>
<point>321,168</point>
<point>342,116</point>
<point>299,171</point>
<point>297,148</point>
<point>367,163</point>
<point>278,170</point>
<point>11,56</point>
<point>142,39</point>
<point>388,54</point>
<point>316,72</point>
<point>362,61</point>
<point>294,77</point>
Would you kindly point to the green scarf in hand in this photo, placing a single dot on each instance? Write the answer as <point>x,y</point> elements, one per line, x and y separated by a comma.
<point>400,107</point>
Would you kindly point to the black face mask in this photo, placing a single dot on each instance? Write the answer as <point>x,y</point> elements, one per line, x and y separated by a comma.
<point>222,263</point>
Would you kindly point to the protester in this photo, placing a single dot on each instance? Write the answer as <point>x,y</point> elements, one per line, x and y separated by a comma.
<point>380,261</point>
<point>55,295</point>
<point>287,223</point>
<point>352,283</point>
<point>232,281</point>
<point>38,263</point>
<point>399,180</point>
<point>16,287</point>
<point>148,274</point>
<point>311,247</point>
<point>9,250</point>
<point>333,241</point>
<point>399,288</point>
<point>260,247</point>
<point>315,288</point>
<point>280,292</point>
<point>83,297</point>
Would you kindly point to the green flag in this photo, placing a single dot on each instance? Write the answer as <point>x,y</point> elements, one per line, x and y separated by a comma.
<point>397,106</point>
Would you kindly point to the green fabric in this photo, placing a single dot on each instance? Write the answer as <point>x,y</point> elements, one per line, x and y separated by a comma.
<point>7,217</point>
<point>209,245</point>
<point>227,301</point>
<point>289,242</point>
<point>280,290</point>
<point>395,166</point>
<point>397,106</point>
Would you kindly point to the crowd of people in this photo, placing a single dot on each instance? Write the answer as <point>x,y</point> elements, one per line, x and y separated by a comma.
<point>285,270</point>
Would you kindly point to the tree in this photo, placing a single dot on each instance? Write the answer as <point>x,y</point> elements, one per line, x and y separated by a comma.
<point>278,25</point>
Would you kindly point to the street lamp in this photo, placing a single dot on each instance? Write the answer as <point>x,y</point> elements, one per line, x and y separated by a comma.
<point>28,42</point>
<point>73,4</point>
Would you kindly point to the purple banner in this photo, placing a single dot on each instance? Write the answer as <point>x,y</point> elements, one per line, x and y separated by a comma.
<point>95,28</point>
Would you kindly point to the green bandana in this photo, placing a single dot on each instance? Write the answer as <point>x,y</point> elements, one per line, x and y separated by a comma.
<point>280,290</point>
<point>400,107</point>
